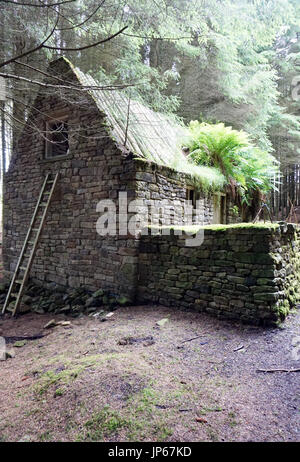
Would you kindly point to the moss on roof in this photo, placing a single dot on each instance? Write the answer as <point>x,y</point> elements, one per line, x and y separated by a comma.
<point>147,134</point>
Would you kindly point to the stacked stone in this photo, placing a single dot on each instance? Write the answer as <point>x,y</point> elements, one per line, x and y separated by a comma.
<point>156,184</point>
<point>70,253</point>
<point>71,302</point>
<point>248,274</point>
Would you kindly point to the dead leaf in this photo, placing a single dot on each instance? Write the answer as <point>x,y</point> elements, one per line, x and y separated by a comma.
<point>201,420</point>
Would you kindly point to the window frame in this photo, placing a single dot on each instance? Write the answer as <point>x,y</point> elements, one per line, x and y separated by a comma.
<point>51,119</point>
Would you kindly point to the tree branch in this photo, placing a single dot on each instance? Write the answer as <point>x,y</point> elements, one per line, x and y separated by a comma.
<point>66,87</point>
<point>45,74</point>
<point>33,50</point>
<point>38,5</point>
<point>83,22</point>
<point>86,46</point>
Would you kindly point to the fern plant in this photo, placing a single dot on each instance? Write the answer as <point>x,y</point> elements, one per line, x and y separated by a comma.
<point>247,169</point>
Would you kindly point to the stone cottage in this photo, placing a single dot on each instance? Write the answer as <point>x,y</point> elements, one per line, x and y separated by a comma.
<point>101,144</point>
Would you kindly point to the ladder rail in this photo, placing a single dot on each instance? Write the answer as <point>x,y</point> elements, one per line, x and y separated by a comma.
<point>30,260</point>
<point>24,245</point>
<point>26,251</point>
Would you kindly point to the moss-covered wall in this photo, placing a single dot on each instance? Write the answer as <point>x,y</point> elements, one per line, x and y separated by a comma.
<point>245,272</point>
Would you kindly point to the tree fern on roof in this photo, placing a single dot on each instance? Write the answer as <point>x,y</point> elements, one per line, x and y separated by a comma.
<point>246,168</point>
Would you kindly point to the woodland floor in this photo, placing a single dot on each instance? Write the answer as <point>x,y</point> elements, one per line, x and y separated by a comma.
<point>128,379</point>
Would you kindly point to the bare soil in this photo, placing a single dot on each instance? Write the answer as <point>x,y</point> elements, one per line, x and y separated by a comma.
<point>129,379</point>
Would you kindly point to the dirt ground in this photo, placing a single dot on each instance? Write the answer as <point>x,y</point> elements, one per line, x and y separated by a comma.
<point>193,378</point>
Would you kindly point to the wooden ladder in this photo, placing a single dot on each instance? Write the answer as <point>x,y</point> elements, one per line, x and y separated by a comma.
<point>20,277</point>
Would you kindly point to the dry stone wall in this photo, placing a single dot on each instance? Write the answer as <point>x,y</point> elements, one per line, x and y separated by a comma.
<point>163,193</point>
<point>251,274</point>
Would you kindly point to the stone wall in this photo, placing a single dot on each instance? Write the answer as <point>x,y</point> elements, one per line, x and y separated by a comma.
<point>71,253</point>
<point>163,191</point>
<point>248,273</point>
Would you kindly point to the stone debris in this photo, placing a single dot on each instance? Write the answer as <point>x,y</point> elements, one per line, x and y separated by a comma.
<point>8,354</point>
<point>20,343</point>
<point>71,302</point>
<point>162,322</point>
<point>146,341</point>
<point>49,324</point>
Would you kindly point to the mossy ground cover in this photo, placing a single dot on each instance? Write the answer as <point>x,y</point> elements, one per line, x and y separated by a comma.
<point>196,381</point>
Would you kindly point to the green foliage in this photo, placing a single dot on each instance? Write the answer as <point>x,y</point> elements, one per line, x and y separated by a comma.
<point>205,178</point>
<point>231,60</point>
<point>234,210</point>
<point>104,423</point>
<point>231,151</point>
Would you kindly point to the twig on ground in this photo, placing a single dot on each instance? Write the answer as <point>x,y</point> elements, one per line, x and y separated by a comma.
<point>239,348</point>
<point>277,370</point>
<point>194,338</point>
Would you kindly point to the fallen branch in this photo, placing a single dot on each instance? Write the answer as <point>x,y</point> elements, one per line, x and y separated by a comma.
<point>194,338</point>
<point>239,348</point>
<point>277,370</point>
<point>20,338</point>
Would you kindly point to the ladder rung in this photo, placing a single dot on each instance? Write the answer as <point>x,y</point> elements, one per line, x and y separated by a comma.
<point>30,252</point>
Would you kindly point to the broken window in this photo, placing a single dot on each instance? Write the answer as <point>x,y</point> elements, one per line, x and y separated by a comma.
<point>57,143</point>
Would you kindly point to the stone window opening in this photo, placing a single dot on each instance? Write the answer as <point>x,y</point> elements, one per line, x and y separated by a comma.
<point>192,196</point>
<point>57,138</point>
